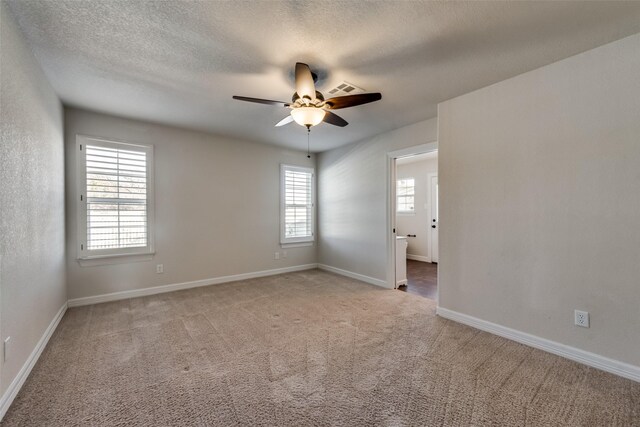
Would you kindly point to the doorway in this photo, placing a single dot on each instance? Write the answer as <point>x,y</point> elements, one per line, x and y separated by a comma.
<point>413,211</point>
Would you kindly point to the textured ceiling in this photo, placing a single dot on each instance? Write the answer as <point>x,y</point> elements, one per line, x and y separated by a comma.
<point>180,62</point>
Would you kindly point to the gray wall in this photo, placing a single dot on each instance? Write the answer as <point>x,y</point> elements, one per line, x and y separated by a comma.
<point>32,270</point>
<point>352,200</point>
<point>540,201</point>
<point>217,206</point>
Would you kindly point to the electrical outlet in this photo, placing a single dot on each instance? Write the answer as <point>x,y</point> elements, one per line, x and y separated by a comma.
<point>160,268</point>
<point>5,349</point>
<point>581,318</point>
<point>284,254</point>
<point>277,255</point>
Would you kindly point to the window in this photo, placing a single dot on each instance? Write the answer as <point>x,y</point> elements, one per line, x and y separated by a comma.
<point>115,215</point>
<point>296,204</point>
<point>405,195</point>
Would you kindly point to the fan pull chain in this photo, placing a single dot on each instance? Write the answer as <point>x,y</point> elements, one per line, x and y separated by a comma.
<point>308,136</point>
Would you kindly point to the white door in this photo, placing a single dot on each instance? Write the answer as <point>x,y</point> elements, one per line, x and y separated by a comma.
<point>433,221</point>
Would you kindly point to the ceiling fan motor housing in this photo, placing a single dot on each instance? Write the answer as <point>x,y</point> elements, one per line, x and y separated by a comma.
<point>311,109</point>
<point>295,96</point>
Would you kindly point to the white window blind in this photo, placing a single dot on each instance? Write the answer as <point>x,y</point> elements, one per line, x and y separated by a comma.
<point>297,207</point>
<point>115,191</point>
<point>405,195</point>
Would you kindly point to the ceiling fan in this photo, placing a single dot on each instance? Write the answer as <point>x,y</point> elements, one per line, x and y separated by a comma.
<point>308,106</point>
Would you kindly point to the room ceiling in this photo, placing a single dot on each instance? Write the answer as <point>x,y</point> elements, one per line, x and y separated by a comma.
<point>179,63</point>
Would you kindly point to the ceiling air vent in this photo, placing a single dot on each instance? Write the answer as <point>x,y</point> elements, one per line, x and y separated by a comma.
<point>345,88</point>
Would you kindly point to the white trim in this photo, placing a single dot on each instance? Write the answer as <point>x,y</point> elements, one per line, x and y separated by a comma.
<point>391,221</point>
<point>412,151</point>
<point>616,367</point>
<point>304,169</point>
<point>83,252</point>
<point>18,381</point>
<point>134,293</point>
<point>430,244</point>
<point>353,275</point>
<point>421,258</point>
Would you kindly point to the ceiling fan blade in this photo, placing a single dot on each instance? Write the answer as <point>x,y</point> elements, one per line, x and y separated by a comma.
<point>285,121</point>
<point>352,100</point>
<point>334,119</point>
<point>304,81</point>
<point>261,101</point>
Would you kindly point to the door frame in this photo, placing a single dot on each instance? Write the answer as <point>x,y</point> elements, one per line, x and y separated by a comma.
<point>391,203</point>
<point>430,177</point>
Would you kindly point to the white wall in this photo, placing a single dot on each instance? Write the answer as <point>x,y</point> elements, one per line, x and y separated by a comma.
<point>217,206</point>
<point>352,200</point>
<point>417,223</point>
<point>32,270</point>
<point>540,201</point>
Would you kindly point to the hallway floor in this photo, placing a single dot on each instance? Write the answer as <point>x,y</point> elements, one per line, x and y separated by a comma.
<point>422,279</point>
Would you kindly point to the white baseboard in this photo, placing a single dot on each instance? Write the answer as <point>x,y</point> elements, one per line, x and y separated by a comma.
<point>616,367</point>
<point>18,381</point>
<point>134,293</point>
<point>418,258</point>
<point>353,275</point>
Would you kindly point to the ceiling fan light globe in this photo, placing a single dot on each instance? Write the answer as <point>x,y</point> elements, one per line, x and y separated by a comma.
<point>308,116</point>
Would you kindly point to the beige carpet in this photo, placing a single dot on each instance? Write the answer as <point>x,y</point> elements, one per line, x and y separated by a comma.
<point>308,348</point>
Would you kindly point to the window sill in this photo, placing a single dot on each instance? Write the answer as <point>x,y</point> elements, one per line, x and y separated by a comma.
<point>295,245</point>
<point>406,213</point>
<point>114,259</point>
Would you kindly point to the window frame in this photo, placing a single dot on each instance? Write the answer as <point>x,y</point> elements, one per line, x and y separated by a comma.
<point>398,210</point>
<point>81,201</point>
<point>304,240</point>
